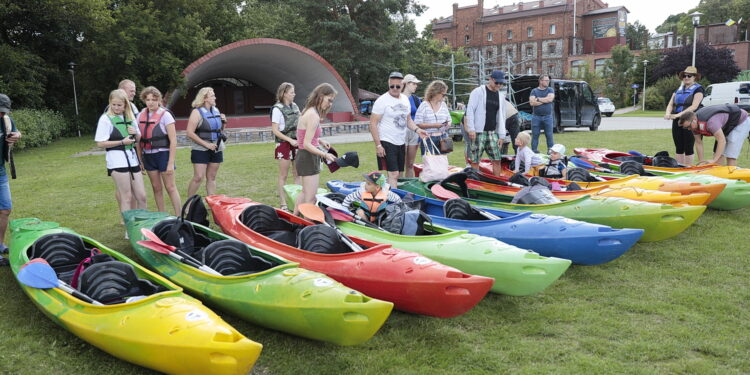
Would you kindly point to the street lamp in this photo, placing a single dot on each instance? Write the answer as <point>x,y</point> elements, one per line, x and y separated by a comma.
<point>645,62</point>
<point>72,70</point>
<point>696,21</point>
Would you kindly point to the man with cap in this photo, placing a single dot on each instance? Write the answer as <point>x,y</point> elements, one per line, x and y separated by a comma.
<point>389,122</point>
<point>372,198</point>
<point>728,123</point>
<point>542,101</point>
<point>410,86</point>
<point>11,136</point>
<point>485,121</point>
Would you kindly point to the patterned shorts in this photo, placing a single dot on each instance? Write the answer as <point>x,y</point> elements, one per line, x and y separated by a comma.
<point>285,151</point>
<point>484,142</point>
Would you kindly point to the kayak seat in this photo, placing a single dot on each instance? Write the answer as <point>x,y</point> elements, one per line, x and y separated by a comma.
<point>460,209</point>
<point>63,251</point>
<point>636,158</point>
<point>172,231</point>
<point>321,239</point>
<point>232,257</point>
<point>264,220</point>
<point>112,282</point>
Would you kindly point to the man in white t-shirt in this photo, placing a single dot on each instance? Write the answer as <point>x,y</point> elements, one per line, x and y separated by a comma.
<point>388,124</point>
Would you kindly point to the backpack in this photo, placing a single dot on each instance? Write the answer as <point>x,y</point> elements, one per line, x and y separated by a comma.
<point>400,219</point>
<point>194,210</point>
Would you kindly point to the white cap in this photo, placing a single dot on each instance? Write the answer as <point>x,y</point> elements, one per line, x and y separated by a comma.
<point>410,78</point>
<point>560,149</point>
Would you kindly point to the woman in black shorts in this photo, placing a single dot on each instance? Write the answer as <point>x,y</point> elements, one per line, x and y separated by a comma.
<point>204,128</point>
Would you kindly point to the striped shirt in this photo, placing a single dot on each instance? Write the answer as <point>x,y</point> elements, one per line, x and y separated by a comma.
<point>357,197</point>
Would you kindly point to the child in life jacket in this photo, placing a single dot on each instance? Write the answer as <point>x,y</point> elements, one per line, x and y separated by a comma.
<point>372,198</point>
<point>557,165</point>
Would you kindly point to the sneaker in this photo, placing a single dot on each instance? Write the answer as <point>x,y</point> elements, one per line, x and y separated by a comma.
<point>3,249</point>
<point>4,261</point>
<point>126,235</point>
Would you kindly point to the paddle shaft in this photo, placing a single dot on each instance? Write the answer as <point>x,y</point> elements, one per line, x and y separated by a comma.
<point>67,288</point>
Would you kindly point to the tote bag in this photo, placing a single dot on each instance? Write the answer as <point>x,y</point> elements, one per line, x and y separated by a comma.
<point>435,165</point>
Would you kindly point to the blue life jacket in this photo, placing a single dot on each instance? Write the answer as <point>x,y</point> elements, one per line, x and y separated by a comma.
<point>683,97</point>
<point>211,124</point>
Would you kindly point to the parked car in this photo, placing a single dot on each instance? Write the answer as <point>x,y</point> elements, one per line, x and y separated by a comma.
<point>575,103</point>
<point>606,107</point>
<point>727,93</point>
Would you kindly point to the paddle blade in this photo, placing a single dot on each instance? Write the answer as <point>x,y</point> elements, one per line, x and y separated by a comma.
<point>151,245</point>
<point>153,237</point>
<point>312,212</point>
<point>443,193</point>
<point>581,163</point>
<point>340,216</point>
<point>38,274</point>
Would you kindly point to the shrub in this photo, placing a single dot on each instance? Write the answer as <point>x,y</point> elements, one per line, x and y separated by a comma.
<point>38,126</point>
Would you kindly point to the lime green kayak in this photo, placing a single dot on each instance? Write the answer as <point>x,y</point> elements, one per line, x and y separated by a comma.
<point>659,221</point>
<point>161,328</point>
<point>517,272</point>
<point>283,297</point>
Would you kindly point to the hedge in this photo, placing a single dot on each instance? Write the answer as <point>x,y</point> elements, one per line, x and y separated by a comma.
<point>39,127</point>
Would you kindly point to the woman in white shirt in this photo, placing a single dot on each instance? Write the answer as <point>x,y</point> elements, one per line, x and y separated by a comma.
<point>284,117</point>
<point>433,115</point>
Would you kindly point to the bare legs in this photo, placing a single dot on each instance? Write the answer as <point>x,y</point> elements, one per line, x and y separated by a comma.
<point>159,181</point>
<point>411,155</point>
<point>284,166</point>
<point>201,171</point>
<point>309,188</point>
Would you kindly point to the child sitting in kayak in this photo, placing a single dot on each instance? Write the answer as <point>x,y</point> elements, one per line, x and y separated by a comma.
<point>557,165</point>
<point>525,157</point>
<point>374,196</point>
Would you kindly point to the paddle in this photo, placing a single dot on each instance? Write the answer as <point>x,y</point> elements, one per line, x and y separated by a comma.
<point>37,273</point>
<point>446,194</point>
<point>315,213</point>
<point>156,244</point>
<point>338,207</point>
<point>586,164</point>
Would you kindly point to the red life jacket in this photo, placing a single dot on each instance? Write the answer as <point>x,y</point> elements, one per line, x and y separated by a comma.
<point>152,136</point>
<point>702,129</point>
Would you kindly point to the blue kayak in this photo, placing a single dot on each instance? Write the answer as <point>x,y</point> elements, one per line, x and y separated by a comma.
<point>551,236</point>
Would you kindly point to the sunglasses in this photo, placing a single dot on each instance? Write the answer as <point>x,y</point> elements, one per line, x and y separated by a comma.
<point>395,86</point>
<point>688,76</point>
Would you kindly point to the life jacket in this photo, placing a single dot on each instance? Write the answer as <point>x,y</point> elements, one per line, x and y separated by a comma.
<point>210,127</point>
<point>552,169</point>
<point>291,117</point>
<point>119,131</point>
<point>683,97</point>
<point>704,114</point>
<point>374,204</point>
<point>152,136</point>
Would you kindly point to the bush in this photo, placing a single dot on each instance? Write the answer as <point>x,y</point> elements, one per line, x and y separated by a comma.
<point>39,127</point>
<point>655,100</point>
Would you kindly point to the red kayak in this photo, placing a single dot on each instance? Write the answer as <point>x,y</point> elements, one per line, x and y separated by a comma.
<point>412,282</point>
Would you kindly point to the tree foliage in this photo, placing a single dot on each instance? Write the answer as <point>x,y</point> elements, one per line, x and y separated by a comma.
<point>636,35</point>
<point>617,73</point>
<point>716,64</point>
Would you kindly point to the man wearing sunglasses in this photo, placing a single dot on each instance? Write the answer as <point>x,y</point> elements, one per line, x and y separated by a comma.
<point>485,121</point>
<point>389,122</point>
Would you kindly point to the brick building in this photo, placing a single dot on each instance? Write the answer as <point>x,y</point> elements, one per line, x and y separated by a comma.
<point>536,36</point>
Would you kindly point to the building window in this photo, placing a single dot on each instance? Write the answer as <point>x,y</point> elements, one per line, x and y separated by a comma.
<point>445,41</point>
<point>489,53</point>
<point>550,69</point>
<point>466,28</point>
<point>466,39</point>
<point>509,52</point>
<point>529,51</point>
<point>510,34</point>
<point>551,48</point>
<point>599,65</point>
<point>529,70</point>
<point>489,37</point>
<point>577,68</point>
<point>552,29</point>
<point>530,31</point>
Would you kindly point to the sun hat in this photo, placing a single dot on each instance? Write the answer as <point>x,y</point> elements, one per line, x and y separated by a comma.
<point>411,78</point>
<point>560,149</point>
<point>690,70</point>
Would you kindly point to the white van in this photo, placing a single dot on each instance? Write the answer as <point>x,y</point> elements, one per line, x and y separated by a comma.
<point>727,93</point>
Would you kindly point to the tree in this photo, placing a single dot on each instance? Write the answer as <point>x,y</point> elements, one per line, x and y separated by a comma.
<point>715,64</point>
<point>617,74</point>
<point>670,24</point>
<point>637,35</point>
<point>595,81</point>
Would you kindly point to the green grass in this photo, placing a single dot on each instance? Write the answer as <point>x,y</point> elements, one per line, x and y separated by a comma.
<point>675,306</point>
<point>640,113</point>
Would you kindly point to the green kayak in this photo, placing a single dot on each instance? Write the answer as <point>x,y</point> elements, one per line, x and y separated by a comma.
<point>659,221</point>
<point>517,272</point>
<point>274,293</point>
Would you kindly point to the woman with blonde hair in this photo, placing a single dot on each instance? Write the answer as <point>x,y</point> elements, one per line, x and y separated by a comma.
<point>433,116</point>
<point>158,147</point>
<point>117,133</point>
<point>284,117</point>
<point>309,154</point>
<point>204,128</point>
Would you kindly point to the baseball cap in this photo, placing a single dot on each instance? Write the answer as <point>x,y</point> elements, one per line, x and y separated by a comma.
<point>396,75</point>
<point>411,78</point>
<point>349,159</point>
<point>4,103</point>
<point>376,178</point>
<point>498,76</point>
<point>560,149</point>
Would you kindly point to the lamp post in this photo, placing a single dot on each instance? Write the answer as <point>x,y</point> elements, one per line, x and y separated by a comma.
<point>645,62</point>
<point>696,21</point>
<point>72,70</point>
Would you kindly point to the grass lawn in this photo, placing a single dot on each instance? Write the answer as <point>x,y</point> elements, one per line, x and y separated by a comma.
<point>640,113</point>
<point>675,306</point>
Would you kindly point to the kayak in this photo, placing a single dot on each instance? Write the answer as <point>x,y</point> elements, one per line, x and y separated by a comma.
<point>727,194</point>
<point>166,330</point>
<point>611,157</point>
<point>412,282</point>
<point>552,236</point>
<point>517,272</point>
<point>659,221</point>
<point>274,293</point>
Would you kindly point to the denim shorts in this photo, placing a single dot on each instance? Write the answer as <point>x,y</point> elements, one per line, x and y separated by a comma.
<point>5,203</point>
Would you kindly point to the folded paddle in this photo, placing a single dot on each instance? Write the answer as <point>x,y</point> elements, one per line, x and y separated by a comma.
<point>37,273</point>
<point>156,244</point>
<point>315,213</point>
<point>445,194</point>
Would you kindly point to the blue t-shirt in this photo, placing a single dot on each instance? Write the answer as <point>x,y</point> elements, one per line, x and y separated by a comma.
<point>544,109</point>
<point>415,102</point>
